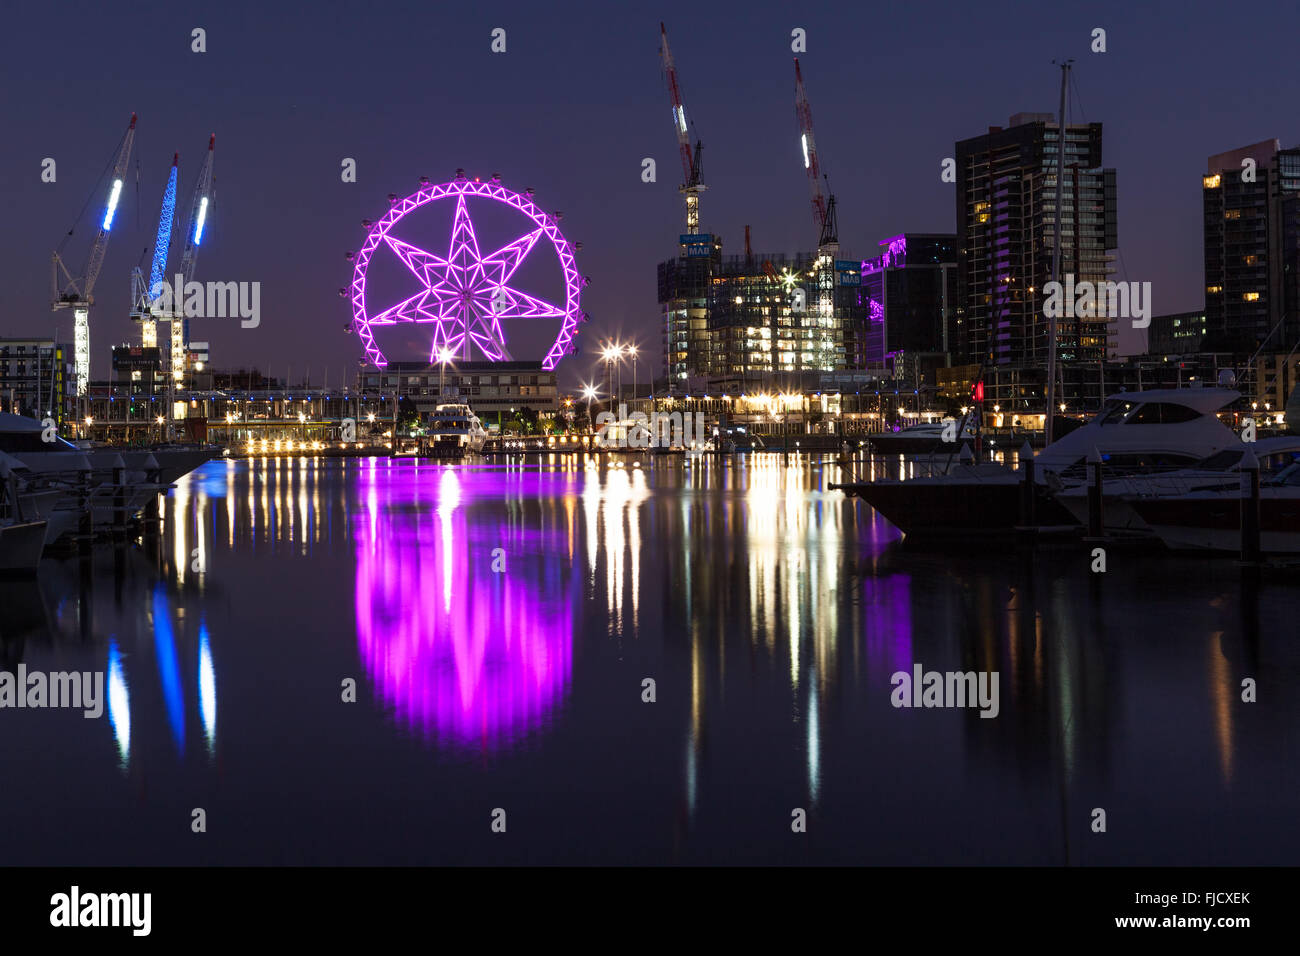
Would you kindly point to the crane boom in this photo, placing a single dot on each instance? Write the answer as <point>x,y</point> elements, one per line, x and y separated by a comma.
<point>143,294</point>
<point>77,289</point>
<point>76,292</point>
<point>166,218</point>
<point>803,115</point>
<point>679,110</point>
<point>691,169</point>
<point>199,208</point>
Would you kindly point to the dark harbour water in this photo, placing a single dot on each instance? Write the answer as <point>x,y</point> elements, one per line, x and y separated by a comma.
<point>769,612</point>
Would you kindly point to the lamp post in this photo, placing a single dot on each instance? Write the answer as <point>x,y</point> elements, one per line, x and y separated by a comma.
<point>588,392</point>
<point>610,355</point>
<point>632,350</point>
<point>444,356</point>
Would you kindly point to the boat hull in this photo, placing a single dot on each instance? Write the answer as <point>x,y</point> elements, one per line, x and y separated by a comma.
<point>924,507</point>
<point>1213,523</point>
<point>21,546</point>
<point>909,445</point>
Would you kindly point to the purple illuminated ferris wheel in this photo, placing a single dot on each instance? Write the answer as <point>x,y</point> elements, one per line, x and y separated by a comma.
<point>465,293</point>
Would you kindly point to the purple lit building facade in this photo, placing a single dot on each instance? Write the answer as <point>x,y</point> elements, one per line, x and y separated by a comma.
<point>910,291</point>
<point>1006,228</point>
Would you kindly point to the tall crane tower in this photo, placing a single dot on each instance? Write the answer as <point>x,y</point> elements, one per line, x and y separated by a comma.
<point>823,207</point>
<point>143,294</point>
<point>75,292</point>
<point>691,187</point>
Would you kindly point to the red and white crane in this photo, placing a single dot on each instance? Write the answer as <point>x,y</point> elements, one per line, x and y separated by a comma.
<point>75,292</point>
<point>823,206</point>
<point>691,187</point>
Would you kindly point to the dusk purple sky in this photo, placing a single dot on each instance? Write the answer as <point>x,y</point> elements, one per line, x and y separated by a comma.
<point>571,109</point>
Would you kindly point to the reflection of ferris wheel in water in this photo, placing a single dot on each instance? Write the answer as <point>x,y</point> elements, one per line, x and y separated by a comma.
<point>467,294</point>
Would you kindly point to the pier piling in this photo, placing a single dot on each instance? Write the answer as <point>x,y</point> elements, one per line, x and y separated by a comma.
<point>1250,508</point>
<point>1096,522</point>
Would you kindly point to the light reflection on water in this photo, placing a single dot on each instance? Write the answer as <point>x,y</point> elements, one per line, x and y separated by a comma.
<point>500,620</point>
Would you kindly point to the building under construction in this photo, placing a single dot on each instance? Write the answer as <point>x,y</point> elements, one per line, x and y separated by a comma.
<point>755,318</point>
<point>755,321</point>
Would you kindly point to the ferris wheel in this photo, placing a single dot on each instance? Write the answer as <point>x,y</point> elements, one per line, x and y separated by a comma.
<point>466,294</point>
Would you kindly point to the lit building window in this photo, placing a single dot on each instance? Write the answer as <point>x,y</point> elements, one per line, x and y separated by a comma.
<point>1210,182</point>
<point>1232,214</point>
<point>1214,289</point>
<point>1251,296</point>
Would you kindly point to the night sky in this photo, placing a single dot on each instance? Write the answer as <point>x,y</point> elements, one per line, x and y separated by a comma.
<point>571,109</point>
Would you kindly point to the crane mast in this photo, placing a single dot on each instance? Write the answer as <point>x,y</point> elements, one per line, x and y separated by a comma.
<point>76,291</point>
<point>691,171</point>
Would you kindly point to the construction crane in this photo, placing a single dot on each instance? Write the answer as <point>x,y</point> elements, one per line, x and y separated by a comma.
<point>823,207</point>
<point>691,187</point>
<point>75,292</point>
<point>199,206</point>
<point>143,294</point>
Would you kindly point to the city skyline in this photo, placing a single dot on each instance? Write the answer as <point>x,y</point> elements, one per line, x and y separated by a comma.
<point>581,144</point>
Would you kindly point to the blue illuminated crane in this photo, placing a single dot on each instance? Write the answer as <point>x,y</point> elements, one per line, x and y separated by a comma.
<point>75,291</point>
<point>144,294</point>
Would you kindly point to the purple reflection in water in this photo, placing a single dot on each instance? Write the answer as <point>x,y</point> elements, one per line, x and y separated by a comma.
<point>887,620</point>
<point>464,654</point>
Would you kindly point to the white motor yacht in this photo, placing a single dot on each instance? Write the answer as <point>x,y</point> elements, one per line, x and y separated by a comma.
<point>22,536</point>
<point>457,429</point>
<point>1220,471</point>
<point>1135,433</point>
<point>1210,519</point>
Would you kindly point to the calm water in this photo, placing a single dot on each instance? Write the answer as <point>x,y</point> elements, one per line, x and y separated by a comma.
<point>499,621</point>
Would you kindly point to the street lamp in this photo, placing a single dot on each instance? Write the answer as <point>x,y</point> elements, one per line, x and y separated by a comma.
<point>610,355</point>
<point>444,356</point>
<point>588,392</point>
<point>632,350</point>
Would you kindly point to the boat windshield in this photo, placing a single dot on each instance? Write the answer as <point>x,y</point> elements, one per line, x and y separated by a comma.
<point>1113,411</point>
<point>1220,460</point>
<point>1289,476</point>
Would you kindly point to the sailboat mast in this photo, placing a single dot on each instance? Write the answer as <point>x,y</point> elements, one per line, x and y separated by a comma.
<point>1056,257</point>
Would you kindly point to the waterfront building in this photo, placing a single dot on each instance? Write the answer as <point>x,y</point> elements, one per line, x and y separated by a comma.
<point>37,378</point>
<point>494,390</point>
<point>1251,201</point>
<point>758,317</point>
<point>1006,233</point>
<point>910,291</point>
<point>1180,333</point>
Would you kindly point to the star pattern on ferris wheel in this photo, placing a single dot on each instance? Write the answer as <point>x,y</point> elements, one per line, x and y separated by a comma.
<point>465,293</point>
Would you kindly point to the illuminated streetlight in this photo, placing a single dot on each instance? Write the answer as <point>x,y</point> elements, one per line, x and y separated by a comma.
<point>444,356</point>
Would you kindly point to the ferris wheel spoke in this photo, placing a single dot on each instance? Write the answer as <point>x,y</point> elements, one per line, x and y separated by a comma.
<point>508,303</point>
<point>494,348</point>
<point>464,256</point>
<point>499,266</point>
<point>428,268</point>
<point>414,309</point>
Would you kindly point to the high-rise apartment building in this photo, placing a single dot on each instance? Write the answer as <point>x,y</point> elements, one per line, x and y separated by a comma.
<point>1251,201</point>
<point>1006,233</point>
